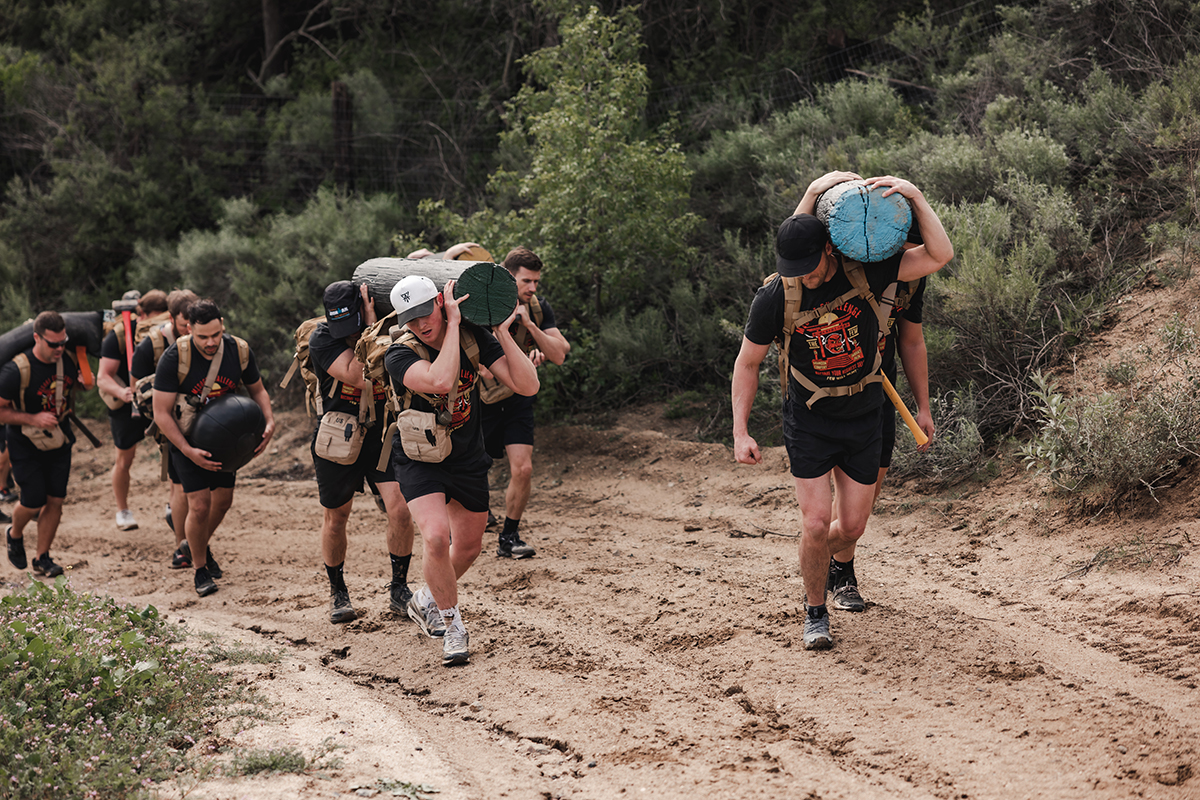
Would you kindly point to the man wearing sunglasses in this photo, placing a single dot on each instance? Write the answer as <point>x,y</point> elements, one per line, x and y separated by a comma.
<point>35,396</point>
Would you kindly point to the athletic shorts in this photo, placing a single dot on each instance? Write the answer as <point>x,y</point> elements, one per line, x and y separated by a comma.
<point>887,428</point>
<point>508,422</point>
<point>40,473</point>
<point>127,430</point>
<point>418,479</point>
<point>338,483</point>
<point>816,444</point>
<point>195,478</point>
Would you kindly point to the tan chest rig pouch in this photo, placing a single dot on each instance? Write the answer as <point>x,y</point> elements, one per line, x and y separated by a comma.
<point>44,438</point>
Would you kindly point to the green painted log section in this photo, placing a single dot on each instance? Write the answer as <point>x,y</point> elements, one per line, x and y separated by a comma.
<point>492,290</point>
<point>863,224</point>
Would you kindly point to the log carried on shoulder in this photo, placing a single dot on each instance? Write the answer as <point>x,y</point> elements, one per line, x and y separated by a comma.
<point>492,290</point>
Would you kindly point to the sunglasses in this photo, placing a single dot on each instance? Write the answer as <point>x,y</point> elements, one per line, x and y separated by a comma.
<point>54,345</point>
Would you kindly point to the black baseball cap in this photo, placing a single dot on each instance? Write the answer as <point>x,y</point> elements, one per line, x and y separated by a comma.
<point>799,244</point>
<point>343,309</point>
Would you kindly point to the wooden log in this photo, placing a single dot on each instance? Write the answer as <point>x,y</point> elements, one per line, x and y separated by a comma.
<point>863,224</point>
<point>84,328</point>
<point>492,290</point>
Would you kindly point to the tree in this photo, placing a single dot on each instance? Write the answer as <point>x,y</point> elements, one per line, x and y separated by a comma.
<point>601,199</point>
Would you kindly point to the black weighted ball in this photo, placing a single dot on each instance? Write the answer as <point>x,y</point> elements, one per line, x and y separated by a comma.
<point>229,428</point>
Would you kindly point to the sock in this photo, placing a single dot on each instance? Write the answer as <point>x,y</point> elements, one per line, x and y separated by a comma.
<point>840,573</point>
<point>816,612</point>
<point>400,568</point>
<point>510,528</point>
<point>451,617</point>
<point>337,581</point>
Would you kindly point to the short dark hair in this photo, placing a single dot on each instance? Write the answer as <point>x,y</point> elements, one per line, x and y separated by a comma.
<point>203,311</point>
<point>153,302</point>
<point>522,257</point>
<point>49,321</point>
<point>179,300</point>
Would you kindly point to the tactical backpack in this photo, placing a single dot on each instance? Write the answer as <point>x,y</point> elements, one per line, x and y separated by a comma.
<point>492,389</point>
<point>793,317</point>
<point>143,328</point>
<point>302,363</point>
<point>425,435</point>
<point>43,439</point>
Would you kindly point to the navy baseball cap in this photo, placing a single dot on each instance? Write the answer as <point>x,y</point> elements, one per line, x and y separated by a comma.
<point>799,244</point>
<point>343,309</point>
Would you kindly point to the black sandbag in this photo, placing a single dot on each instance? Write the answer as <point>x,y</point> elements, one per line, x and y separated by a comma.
<point>83,328</point>
<point>229,428</point>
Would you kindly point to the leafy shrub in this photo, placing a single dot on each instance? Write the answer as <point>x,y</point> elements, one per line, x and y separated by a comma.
<point>1034,155</point>
<point>1113,446</point>
<point>91,695</point>
<point>957,452</point>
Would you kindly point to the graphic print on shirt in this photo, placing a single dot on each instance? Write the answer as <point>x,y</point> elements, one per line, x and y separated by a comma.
<point>46,395</point>
<point>461,413</point>
<point>351,394</point>
<point>834,343</point>
<point>221,386</point>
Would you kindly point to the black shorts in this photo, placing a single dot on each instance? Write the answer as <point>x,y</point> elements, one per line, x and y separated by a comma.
<point>887,428</point>
<point>468,487</point>
<point>40,473</point>
<point>338,483</point>
<point>127,430</point>
<point>508,422</point>
<point>195,478</point>
<point>816,444</point>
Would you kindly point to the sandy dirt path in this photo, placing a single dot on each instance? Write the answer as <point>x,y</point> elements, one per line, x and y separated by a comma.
<point>653,649</point>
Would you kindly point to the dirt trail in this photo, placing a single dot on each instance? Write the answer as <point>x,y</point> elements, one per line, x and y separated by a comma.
<point>653,647</point>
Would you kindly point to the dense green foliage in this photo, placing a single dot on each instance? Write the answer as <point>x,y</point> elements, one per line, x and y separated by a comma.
<point>646,151</point>
<point>96,699</point>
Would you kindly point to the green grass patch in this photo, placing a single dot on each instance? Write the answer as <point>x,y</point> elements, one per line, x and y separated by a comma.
<point>97,700</point>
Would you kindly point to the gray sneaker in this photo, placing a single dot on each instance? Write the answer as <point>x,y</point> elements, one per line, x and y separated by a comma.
<point>454,646</point>
<point>511,546</point>
<point>816,633</point>
<point>340,608</point>
<point>428,618</point>
<point>847,598</point>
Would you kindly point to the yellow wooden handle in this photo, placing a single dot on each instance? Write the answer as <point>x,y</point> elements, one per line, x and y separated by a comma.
<point>917,433</point>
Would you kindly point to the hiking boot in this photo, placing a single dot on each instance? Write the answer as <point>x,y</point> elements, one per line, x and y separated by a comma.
<point>341,610</point>
<point>170,519</point>
<point>44,566</point>
<point>428,618</point>
<point>125,520</point>
<point>16,550</point>
<point>182,557</point>
<point>847,598</point>
<point>4,517</point>
<point>9,495</point>
<point>454,646</point>
<point>511,546</point>
<point>492,521</point>
<point>204,582</point>
<point>399,595</point>
<point>379,503</point>
<point>816,633</point>
<point>214,569</point>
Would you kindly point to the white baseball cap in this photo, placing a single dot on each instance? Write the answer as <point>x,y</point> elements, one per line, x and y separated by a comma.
<point>413,297</point>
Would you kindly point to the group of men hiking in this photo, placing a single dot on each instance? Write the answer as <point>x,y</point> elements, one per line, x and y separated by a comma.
<point>469,392</point>
<point>473,390</point>
<point>182,357</point>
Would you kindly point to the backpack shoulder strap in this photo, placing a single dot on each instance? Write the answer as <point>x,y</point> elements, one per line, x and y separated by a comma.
<point>243,353</point>
<point>22,362</point>
<point>470,344</point>
<point>184,349</point>
<point>535,310</point>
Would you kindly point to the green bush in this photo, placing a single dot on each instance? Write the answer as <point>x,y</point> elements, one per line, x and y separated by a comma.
<point>94,697</point>
<point>957,452</point>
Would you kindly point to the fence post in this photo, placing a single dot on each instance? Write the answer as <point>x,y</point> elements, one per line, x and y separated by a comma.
<point>343,136</point>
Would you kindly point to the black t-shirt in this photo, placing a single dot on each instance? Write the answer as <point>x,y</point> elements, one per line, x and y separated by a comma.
<point>143,358</point>
<point>324,350</point>
<point>546,324</point>
<point>911,308</point>
<point>837,349</point>
<point>466,431</point>
<point>39,395</point>
<point>230,374</point>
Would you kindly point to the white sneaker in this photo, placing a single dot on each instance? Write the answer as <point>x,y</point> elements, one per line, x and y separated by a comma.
<point>125,520</point>
<point>454,645</point>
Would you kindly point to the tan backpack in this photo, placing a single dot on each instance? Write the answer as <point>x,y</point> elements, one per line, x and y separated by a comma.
<point>492,389</point>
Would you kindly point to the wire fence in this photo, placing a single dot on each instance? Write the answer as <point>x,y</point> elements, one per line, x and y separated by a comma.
<point>447,148</point>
